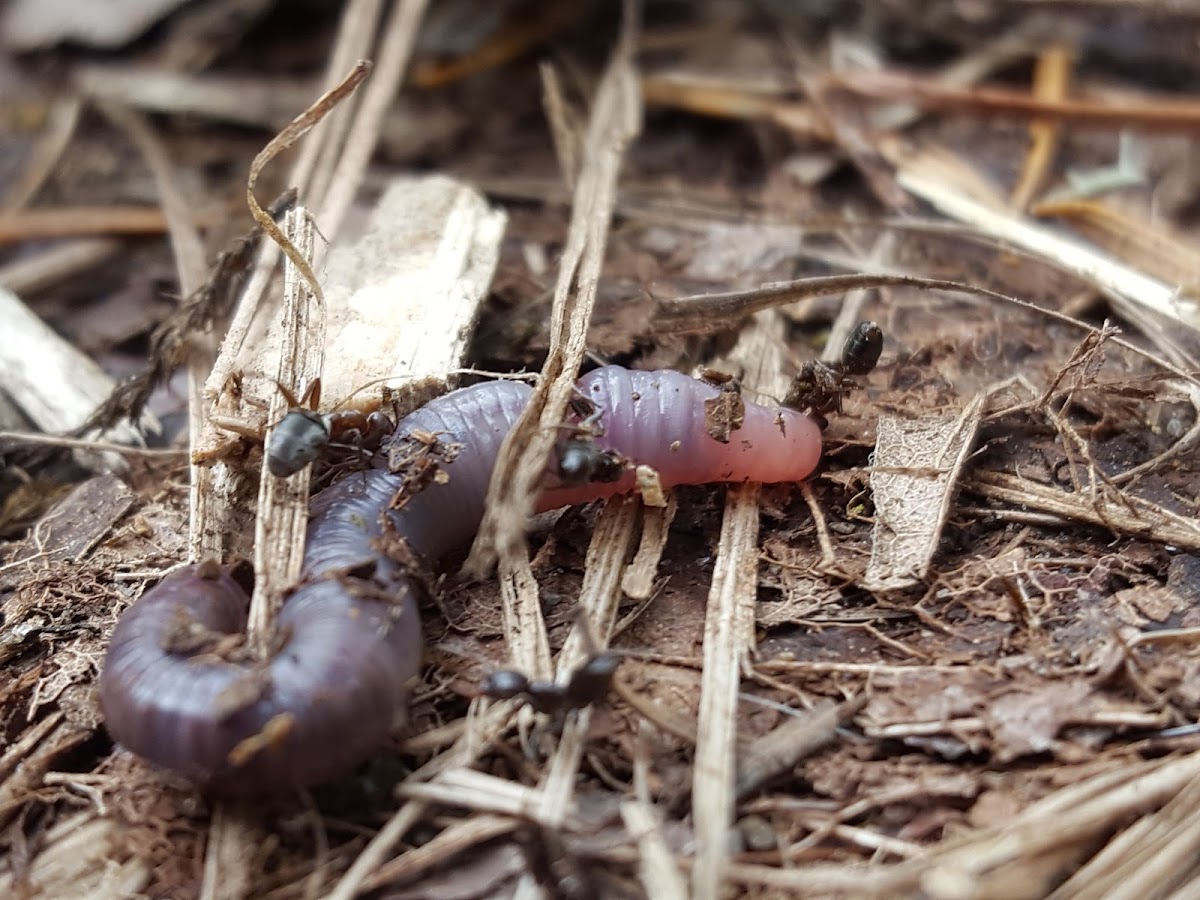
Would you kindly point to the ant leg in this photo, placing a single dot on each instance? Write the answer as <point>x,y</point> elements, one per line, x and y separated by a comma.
<point>590,415</point>
<point>238,427</point>
<point>592,424</point>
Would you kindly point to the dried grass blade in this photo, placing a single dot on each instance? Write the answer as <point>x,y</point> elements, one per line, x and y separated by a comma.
<point>614,122</point>
<point>1118,512</point>
<point>282,515</point>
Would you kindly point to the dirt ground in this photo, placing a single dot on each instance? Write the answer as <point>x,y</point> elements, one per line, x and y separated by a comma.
<point>959,661</point>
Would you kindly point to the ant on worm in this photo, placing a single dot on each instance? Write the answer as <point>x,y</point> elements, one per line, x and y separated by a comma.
<point>304,433</point>
<point>580,460</point>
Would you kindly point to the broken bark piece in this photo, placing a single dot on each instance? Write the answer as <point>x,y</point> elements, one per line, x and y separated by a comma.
<point>403,298</point>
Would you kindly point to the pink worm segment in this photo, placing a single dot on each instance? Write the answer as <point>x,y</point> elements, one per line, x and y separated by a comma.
<point>351,632</point>
<point>658,419</point>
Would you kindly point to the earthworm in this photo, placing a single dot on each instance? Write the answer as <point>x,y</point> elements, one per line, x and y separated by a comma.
<point>177,690</point>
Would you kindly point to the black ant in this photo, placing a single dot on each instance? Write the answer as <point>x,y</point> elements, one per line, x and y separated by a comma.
<point>580,460</point>
<point>590,682</point>
<point>301,436</point>
<point>304,432</point>
<point>819,387</point>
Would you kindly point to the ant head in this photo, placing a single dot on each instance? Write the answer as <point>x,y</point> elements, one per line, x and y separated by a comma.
<point>296,441</point>
<point>581,461</point>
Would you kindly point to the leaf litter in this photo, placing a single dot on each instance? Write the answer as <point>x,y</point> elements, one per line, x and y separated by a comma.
<point>958,663</point>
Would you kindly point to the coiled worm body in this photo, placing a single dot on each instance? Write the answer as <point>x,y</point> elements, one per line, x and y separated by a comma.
<point>349,639</point>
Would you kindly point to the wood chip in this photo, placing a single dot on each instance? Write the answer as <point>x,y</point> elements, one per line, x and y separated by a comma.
<point>638,580</point>
<point>724,414</point>
<point>54,384</point>
<point>403,298</point>
<point>779,750</point>
<point>650,488</point>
